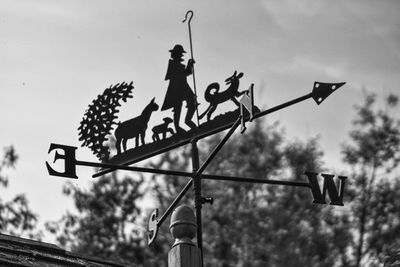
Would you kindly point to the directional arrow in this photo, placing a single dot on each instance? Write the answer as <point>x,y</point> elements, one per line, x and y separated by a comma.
<point>322,90</point>
<point>319,93</point>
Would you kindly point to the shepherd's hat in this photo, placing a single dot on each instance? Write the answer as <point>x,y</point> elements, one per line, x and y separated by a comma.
<point>177,49</point>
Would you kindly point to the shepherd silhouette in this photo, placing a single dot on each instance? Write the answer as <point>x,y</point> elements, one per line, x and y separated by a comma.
<point>178,88</point>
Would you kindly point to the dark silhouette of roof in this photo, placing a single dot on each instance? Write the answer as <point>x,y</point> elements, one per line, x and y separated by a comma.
<point>16,251</point>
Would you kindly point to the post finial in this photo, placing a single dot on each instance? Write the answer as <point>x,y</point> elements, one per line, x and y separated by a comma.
<point>183,225</point>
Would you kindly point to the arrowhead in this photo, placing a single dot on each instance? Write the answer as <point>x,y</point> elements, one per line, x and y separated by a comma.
<point>322,90</point>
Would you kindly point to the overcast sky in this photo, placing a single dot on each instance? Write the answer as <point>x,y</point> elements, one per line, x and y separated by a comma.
<point>56,56</point>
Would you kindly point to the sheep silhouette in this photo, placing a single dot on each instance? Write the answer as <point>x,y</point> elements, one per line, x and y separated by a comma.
<point>134,128</point>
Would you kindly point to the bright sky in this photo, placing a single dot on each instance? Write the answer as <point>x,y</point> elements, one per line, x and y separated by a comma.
<point>58,55</point>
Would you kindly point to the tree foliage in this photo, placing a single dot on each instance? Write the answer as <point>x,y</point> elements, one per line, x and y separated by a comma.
<point>105,223</point>
<point>16,218</point>
<point>374,155</point>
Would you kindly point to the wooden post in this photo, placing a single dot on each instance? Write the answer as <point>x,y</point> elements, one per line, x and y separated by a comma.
<point>184,253</point>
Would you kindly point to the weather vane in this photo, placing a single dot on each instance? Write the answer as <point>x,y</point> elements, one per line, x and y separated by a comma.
<point>99,123</point>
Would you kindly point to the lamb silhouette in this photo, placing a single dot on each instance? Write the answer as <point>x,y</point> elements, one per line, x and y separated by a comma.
<point>162,129</point>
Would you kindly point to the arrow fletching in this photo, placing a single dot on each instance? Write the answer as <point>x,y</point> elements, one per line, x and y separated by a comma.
<point>322,90</point>
<point>153,227</point>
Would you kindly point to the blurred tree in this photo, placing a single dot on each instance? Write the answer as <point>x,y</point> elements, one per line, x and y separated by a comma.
<point>259,225</point>
<point>16,218</point>
<point>374,154</point>
<point>105,223</point>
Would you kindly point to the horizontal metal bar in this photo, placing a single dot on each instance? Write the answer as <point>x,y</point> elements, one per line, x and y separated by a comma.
<point>253,180</point>
<point>131,168</point>
<point>188,174</point>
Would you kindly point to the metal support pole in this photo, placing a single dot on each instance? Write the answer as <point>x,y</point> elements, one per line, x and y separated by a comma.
<point>175,202</point>
<point>197,195</point>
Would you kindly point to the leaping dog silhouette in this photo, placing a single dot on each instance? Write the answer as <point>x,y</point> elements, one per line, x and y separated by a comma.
<point>214,97</point>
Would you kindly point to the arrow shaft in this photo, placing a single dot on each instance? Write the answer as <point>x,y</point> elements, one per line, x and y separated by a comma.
<point>175,202</point>
<point>205,134</point>
<point>281,106</point>
<point>218,147</point>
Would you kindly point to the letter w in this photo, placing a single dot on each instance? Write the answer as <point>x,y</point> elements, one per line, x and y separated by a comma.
<point>335,194</point>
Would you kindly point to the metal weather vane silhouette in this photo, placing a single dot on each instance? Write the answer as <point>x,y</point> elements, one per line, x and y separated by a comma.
<point>101,118</point>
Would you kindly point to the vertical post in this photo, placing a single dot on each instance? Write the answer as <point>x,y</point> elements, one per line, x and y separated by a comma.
<point>197,195</point>
<point>183,228</point>
<point>184,255</point>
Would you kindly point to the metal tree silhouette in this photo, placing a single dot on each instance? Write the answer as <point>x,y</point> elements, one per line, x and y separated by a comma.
<point>98,121</point>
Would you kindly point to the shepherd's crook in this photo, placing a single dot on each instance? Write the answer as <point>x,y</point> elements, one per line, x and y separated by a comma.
<point>191,54</point>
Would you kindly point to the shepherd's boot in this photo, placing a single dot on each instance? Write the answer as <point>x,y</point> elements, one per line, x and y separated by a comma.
<point>177,115</point>
<point>189,115</point>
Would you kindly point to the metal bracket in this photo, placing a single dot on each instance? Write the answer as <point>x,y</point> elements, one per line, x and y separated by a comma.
<point>208,200</point>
